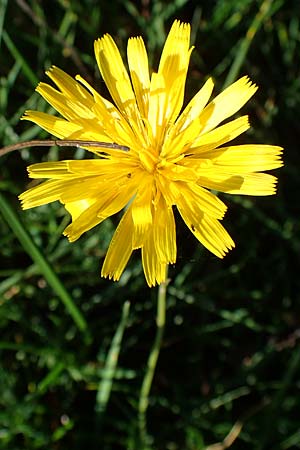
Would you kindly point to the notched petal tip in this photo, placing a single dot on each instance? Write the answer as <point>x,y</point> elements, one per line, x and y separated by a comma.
<point>279,152</point>
<point>110,275</point>
<point>39,86</point>
<point>51,70</point>
<point>25,115</point>
<point>70,235</point>
<point>24,204</point>
<point>104,40</point>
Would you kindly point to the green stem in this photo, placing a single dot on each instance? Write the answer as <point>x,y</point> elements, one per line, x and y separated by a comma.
<point>152,360</point>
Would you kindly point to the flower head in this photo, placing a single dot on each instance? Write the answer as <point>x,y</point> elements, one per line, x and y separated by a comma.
<point>175,157</point>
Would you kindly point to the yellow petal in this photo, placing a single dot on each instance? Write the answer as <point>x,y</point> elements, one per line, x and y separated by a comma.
<point>157,108</point>
<point>47,192</point>
<point>69,87</point>
<point>56,126</point>
<point>188,126</point>
<point>154,268</point>
<point>71,109</point>
<point>84,217</point>
<point>173,66</point>
<point>113,196</point>
<point>113,169</point>
<point>195,198</point>
<point>167,86</point>
<point>219,136</point>
<point>195,106</point>
<point>164,232</point>
<point>78,207</point>
<point>96,115</point>
<point>142,210</point>
<point>63,129</point>
<point>139,72</point>
<point>120,129</point>
<point>120,248</point>
<point>55,169</point>
<point>89,212</point>
<point>178,172</point>
<point>247,184</point>
<point>246,158</point>
<point>103,170</point>
<point>64,190</point>
<point>175,54</point>
<point>227,103</point>
<point>208,231</point>
<point>108,116</point>
<point>115,75</point>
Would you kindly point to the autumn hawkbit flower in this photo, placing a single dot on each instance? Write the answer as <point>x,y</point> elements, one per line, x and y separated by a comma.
<point>175,156</point>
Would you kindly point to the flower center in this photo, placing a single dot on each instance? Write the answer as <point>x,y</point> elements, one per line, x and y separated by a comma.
<point>149,158</point>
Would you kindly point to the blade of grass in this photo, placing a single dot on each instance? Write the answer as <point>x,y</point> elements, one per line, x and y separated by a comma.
<point>19,58</point>
<point>266,10</point>
<point>50,378</point>
<point>291,441</point>
<point>106,382</point>
<point>39,259</point>
<point>3,5</point>
<point>7,85</point>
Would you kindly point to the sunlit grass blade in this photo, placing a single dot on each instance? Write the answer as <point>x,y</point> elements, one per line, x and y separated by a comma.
<point>39,259</point>
<point>110,366</point>
<point>267,8</point>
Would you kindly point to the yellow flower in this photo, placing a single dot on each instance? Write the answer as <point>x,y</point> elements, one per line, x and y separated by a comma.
<point>175,157</point>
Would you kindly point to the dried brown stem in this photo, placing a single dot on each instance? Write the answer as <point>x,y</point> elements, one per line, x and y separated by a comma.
<point>60,143</point>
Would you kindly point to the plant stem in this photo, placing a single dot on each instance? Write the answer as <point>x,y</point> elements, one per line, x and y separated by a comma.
<point>152,360</point>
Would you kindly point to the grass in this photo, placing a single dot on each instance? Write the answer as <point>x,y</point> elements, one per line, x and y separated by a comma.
<point>74,347</point>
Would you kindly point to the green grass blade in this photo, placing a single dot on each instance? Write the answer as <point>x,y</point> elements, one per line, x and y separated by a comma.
<point>291,441</point>
<point>106,382</point>
<point>266,9</point>
<point>19,58</point>
<point>50,378</point>
<point>45,268</point>
<point>3,6</point>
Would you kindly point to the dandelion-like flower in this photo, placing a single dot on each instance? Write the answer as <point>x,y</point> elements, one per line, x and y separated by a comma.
<point>175,158</point>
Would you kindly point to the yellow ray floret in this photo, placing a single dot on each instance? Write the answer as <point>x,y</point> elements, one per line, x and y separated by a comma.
<point>175,157</point>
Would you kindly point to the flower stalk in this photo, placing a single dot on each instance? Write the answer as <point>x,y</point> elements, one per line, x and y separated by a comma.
<point>152,359</point>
